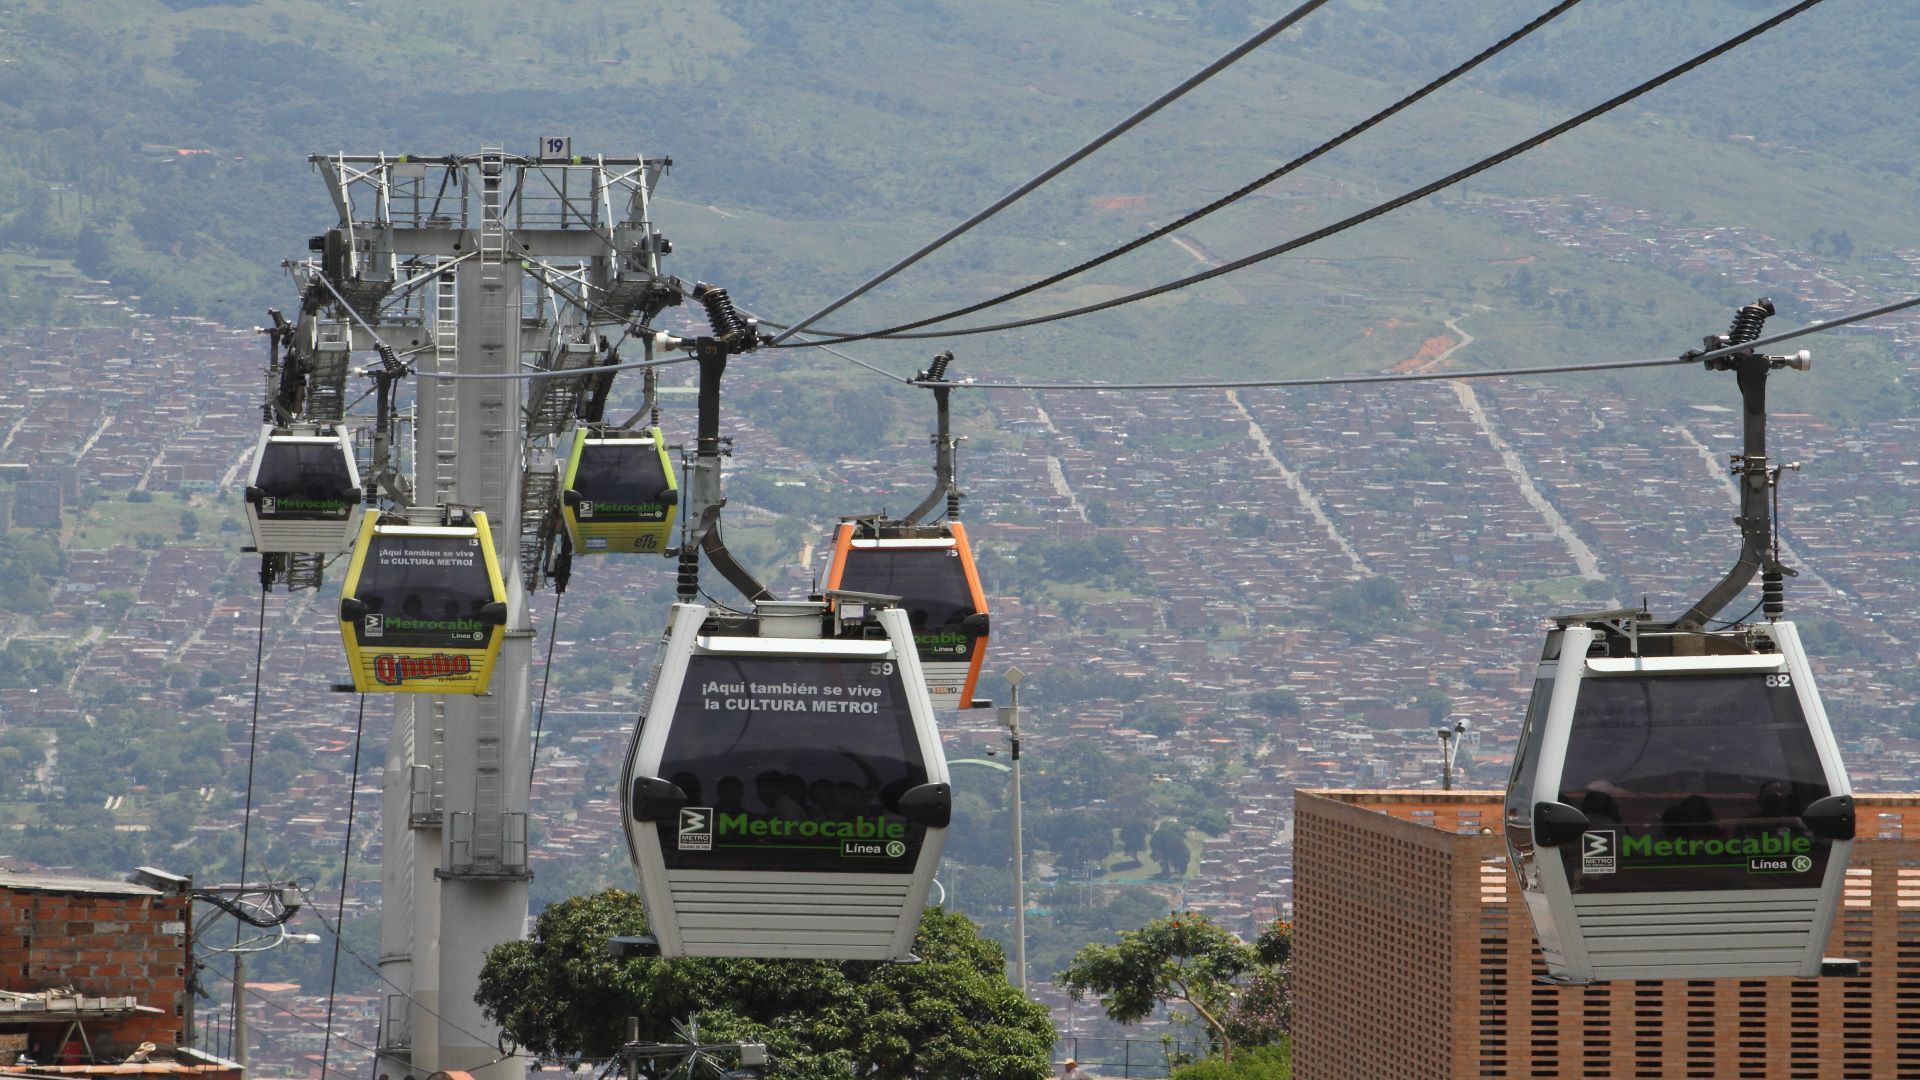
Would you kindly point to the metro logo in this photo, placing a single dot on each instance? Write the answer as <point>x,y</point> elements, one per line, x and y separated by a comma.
<point>860,828</point>
<point>391,670</point>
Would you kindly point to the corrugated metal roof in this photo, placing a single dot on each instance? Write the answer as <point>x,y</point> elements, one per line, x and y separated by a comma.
<point>60,883</point>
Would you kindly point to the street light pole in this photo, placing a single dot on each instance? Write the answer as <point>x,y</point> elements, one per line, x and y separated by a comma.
<point>1011,717</point>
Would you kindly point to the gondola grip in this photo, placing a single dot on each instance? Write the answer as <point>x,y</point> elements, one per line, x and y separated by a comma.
<point>655,799</point>
<point>1557,823</point>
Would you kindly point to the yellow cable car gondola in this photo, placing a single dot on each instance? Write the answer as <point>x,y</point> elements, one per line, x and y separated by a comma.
<point>619,493</point>
<point>423,608</point>
<point>930,568</point>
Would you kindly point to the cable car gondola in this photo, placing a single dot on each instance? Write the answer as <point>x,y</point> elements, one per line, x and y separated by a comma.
<point>619,492</point>
<point>303,493</point>
<point>785,794</point>
<point>423,608</point>
<point>931,568</point>
<point>1678,808</point>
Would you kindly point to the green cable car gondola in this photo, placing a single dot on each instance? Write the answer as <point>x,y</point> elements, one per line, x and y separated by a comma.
<point>618,493</point>
<point>423,609</point>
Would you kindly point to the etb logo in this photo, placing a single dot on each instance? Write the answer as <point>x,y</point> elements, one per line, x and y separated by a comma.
<point>696,828</point>
<point>1597,849</point>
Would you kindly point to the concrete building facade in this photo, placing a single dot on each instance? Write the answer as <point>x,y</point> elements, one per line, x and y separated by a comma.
<point>1414,957</point>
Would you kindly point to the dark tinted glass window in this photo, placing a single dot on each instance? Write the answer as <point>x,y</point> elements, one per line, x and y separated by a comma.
<point>305,481</point>
<point>932,586</point>
<point>1692,782</point>
<point>792,764</point>
<point>620,480</point>
<point>424,592</point>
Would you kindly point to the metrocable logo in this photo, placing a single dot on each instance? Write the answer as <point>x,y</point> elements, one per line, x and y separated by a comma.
<point>391,670</point>
<point>402,622</point>
<point>859,828</point>
<point>947,637</point>
<point>278,505</point>
<point>589,507</point>
<point>1774,844</point>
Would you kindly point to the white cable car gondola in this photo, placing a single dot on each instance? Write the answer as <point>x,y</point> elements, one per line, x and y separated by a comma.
<point>931,568</point>
<point>1678,807</point>
<point>619,492</point>
<point>423,608</point>
<point>786,794</point>
<point>303,492</point>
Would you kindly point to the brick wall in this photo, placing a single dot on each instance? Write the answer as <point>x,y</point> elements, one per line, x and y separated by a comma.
<point>113,943</point>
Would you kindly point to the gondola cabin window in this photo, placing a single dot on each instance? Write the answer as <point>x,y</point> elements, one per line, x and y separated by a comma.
<point>621,481</point>
<point>305,480</point>
<point>933,585</point>
<point>424,592</point>
<point>792,764</point>
<point>1692,782</point>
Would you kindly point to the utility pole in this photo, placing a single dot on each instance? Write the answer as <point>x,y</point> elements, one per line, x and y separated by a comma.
<point>465,271</point>
<point>1010,716</point>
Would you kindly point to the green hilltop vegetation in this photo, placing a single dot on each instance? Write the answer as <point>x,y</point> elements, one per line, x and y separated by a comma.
<point>815,144</point>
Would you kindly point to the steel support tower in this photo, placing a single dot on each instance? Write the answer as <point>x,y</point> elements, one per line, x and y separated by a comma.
<point>486,264</point>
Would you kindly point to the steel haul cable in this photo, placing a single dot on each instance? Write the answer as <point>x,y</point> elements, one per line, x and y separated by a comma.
<point>1165,230</point>
<point>1364,216</point>
<point>1063,164</point>
<point>253,742</point>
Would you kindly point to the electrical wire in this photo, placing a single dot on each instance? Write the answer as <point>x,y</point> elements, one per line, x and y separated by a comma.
<point>346,863</point>
<point>316,1025</point>
<point>1390,205</point>
<point>1063,164</point>
<point>1292,166</point>
<point>253,743</point>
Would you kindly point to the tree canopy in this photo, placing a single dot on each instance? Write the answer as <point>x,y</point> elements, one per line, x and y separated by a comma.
<point>953,1015</point>
<point>1238,992</point>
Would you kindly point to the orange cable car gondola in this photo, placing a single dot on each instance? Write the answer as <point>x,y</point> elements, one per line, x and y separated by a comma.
<point>423,609</point>
<point>931,569</point>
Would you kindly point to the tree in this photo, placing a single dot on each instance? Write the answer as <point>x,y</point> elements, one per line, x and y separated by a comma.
<point>953,1015</point>
<point>1169,848</point>
<point>1183,958</point>
<point>1133,837</point>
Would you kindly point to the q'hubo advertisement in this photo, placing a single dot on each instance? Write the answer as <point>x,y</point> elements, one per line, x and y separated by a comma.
<point>792,763</point>
<point>1771,859</point>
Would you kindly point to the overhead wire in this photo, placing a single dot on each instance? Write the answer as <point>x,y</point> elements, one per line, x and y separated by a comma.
<point>1693,357</point>
<point>1112,133</point>
<point>253,744</point>
<point>1390,205</point>
<point>1232,197</point>
<point>346,864</point>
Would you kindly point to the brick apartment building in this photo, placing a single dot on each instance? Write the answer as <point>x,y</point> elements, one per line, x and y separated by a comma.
<point>91,969</point>
<point>1414,958</point>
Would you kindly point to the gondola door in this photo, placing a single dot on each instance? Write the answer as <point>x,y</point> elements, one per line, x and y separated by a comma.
<point>786,796</point>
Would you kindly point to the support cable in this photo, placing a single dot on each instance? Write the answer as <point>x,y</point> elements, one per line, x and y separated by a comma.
<point>1232,197</point>
<point>253,743</point>
<point>546,680</point>
<point>1364,216</point>
<point>1063,164</point>
<point>340,942</point>
<point>1424,376</point>
<point>346,862</point>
